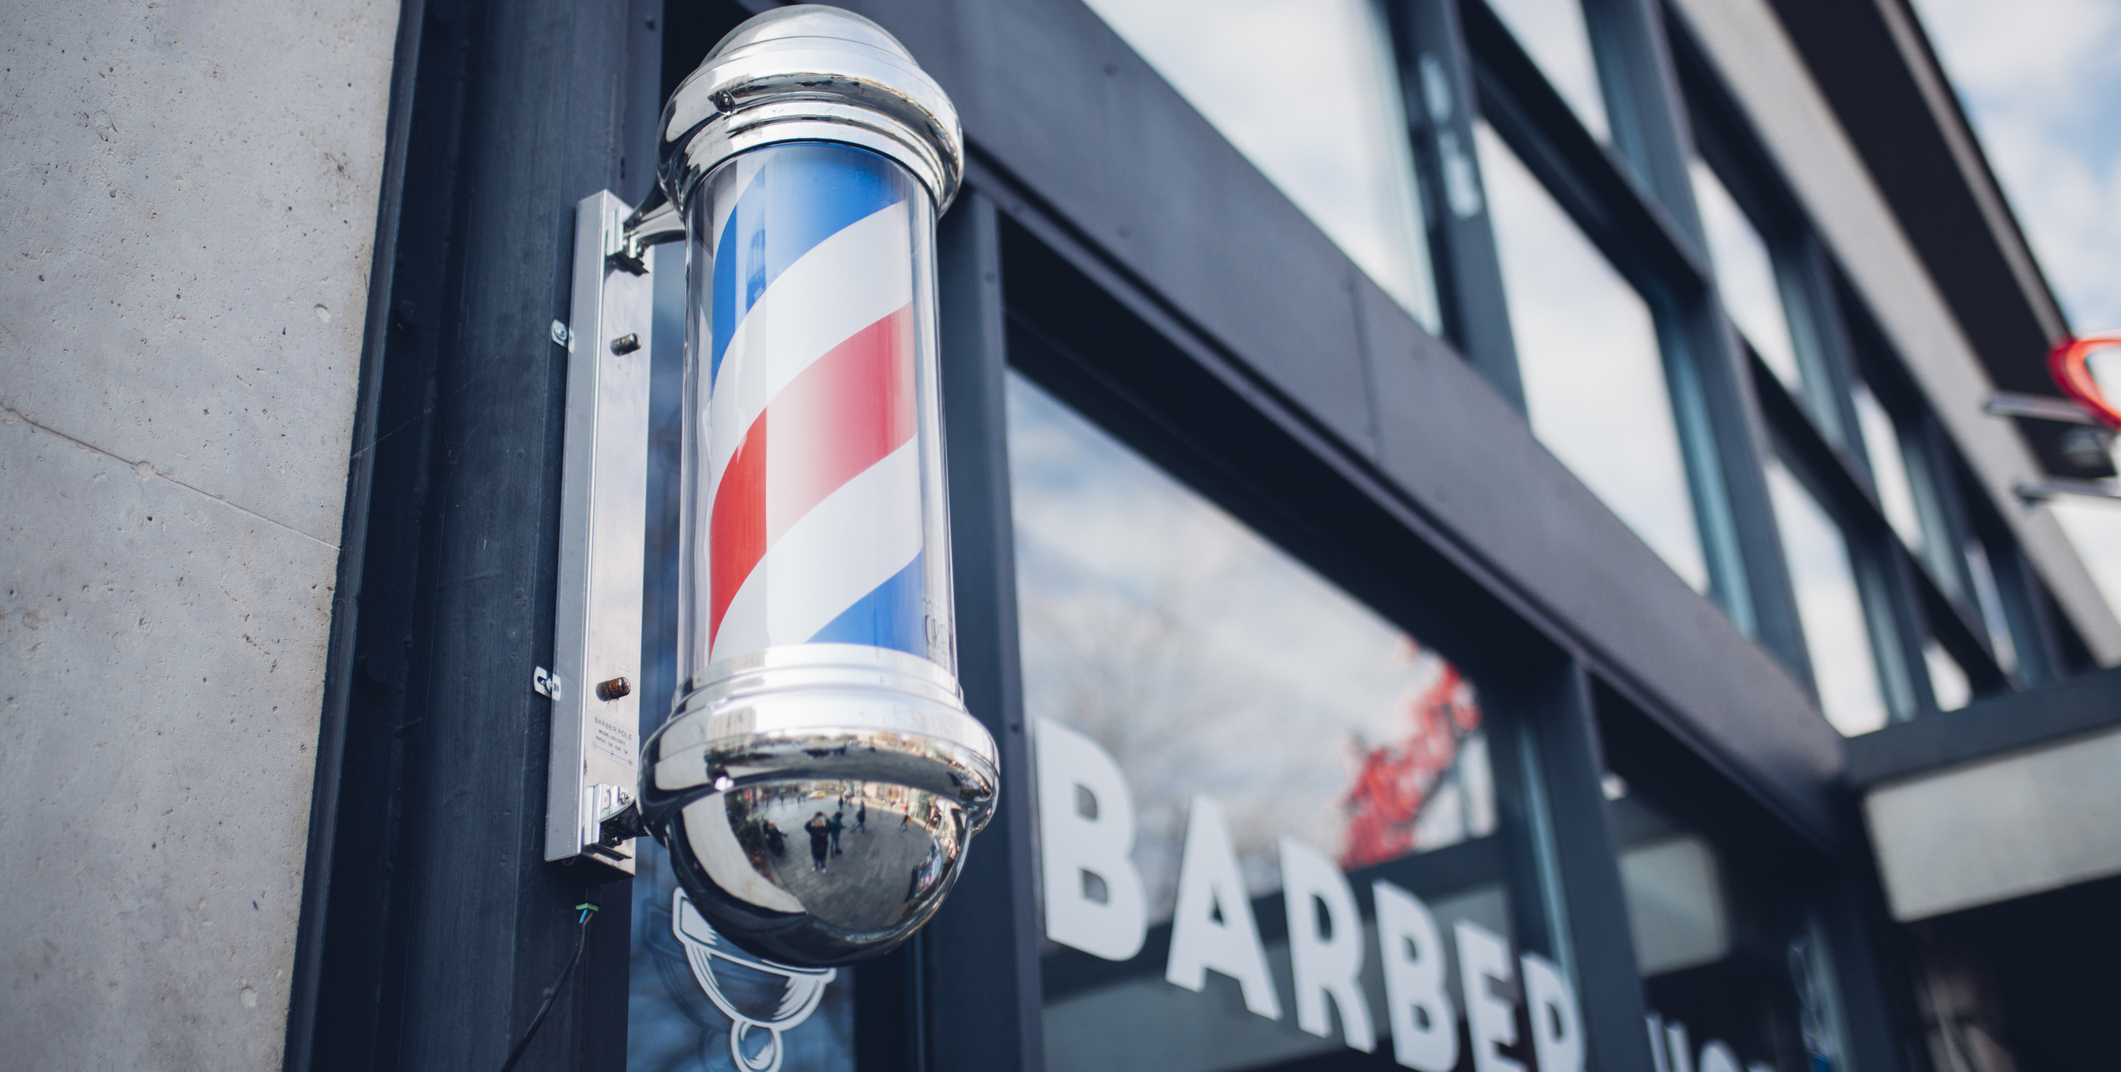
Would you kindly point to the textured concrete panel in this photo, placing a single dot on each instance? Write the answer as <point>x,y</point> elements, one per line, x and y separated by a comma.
<point>188,198</point>
<point>160,676</point>
<point>187,205</point>
<point>2037,820</point>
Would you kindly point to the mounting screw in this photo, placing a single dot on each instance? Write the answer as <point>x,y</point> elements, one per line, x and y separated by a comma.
<point>545,683</point>
<point>560,335</point>
<point>626,344</point>
<point>608,691</point>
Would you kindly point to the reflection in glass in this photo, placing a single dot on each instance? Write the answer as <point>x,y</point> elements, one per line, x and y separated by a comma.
<point>1947,677</point>
<point>1593,379</point>
<point>1338,148</point>
<point>1207,662</point>
<point>1896,489</point>
<point>1745,276</point>
<point>1732,968</point>
<point>1989,599</point>
<point>1553,33</point>
<point>1829,605</point>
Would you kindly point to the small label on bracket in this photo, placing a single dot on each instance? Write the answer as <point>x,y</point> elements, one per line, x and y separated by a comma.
<point>613,740</point>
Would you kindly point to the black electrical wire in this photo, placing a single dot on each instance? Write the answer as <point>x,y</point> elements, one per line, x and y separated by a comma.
<point>581,938</point>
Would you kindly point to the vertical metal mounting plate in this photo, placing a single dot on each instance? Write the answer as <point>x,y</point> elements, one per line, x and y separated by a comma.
<point>603,514</point>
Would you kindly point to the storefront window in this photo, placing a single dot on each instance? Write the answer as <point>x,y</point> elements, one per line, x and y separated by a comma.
<point>1829,606</point>
<point>1745,276</point>
<point>1889,471</point>
<point>1594,381</point>
<point>1553,33</point>
<point>1988,597</point>
<point>1217,726</point>
<point>1338,147</point>
<point>1947,678</point>
<point>1735,970</point>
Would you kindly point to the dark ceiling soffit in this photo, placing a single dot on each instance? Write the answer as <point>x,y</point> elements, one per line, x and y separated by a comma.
<point>1878,73</point>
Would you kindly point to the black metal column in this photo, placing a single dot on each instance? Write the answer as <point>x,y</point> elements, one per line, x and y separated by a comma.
<point>979,958</point>
<point>435,927</point>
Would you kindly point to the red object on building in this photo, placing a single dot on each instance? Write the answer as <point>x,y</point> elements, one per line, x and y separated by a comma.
<point>2067,364</point>
<point>1393,781</point>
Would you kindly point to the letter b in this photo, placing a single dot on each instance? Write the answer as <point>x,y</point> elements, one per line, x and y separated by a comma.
<point>1086,831</point>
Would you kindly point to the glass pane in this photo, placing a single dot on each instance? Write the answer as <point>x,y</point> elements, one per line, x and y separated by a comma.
<point>1989,599</point>
<point>1947,678</point>
<point>1258,731</point>
<point>1733,965</point>
<point>1587,349</point>
<point>1554,34</point>
<point>1829,605</point>
<point>694,1005</point>
<point>1338,147</point>
<point>1745,276</point>
<point>1896,490</point>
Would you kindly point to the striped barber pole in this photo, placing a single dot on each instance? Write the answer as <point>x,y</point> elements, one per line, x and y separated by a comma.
<point>815,522</point>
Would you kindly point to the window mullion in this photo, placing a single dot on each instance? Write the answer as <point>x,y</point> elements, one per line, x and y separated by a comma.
<point>1436,79</point>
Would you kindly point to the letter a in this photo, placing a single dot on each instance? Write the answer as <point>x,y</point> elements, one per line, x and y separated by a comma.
<point>1078,844</point>
<point>1209,883</point>
<point>1324,965</point>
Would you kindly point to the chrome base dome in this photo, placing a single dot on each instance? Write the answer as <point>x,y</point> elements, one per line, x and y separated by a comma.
<point>744,783</point>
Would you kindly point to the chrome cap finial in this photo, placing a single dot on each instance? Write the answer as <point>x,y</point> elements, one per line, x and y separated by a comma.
<point>810,73</point>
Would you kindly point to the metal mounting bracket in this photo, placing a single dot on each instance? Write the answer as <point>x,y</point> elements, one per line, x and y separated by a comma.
<point>603,515</point>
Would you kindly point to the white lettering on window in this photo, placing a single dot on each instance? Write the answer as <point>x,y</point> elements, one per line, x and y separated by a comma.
<point>1424,1022</point>
<point>1492,1021</point>
<point>1210,885</point>
<point>1324,964</point>
<point>1086,831</point>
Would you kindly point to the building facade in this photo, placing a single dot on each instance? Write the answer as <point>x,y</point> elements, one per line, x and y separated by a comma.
<point>1490,534</point>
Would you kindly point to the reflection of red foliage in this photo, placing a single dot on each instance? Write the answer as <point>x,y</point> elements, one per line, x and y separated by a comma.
<point>1393,780</point>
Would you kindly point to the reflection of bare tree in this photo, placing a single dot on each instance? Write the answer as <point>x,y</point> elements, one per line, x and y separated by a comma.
<point>1132,670</point>
<point>1204,659</point>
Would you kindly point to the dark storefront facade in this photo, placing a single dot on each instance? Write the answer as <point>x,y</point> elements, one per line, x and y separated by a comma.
<point>1434,519</point>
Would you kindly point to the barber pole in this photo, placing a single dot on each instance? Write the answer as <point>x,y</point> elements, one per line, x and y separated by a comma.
<point>816,329</point>
<point>805,163</point>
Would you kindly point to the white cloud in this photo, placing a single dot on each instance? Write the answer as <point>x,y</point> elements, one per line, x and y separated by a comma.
<point>2037,82</point>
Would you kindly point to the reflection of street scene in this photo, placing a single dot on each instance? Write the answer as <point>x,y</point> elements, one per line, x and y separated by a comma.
<point>1207,661</point>
<point>851,874</point>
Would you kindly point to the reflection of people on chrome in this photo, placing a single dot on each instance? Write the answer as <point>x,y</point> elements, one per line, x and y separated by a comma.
<point>833,826</point>
<point>820,834</point>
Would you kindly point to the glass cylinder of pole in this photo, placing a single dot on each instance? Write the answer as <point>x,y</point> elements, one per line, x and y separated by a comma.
<point>819,778</point>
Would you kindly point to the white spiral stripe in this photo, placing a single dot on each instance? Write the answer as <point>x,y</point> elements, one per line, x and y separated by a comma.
<point>849,281</point>
<point>856,539</point>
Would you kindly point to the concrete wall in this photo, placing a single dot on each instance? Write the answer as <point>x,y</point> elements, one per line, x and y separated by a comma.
<point>2024,823</point>
<point>187,207</point>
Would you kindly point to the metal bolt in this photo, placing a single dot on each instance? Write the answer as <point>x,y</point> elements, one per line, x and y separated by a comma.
<point>626,344</point>
<point>559,333</point>
<point>608,691</point>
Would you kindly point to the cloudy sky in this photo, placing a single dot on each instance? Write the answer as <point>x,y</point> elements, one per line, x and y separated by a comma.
<point>2039,80</point>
